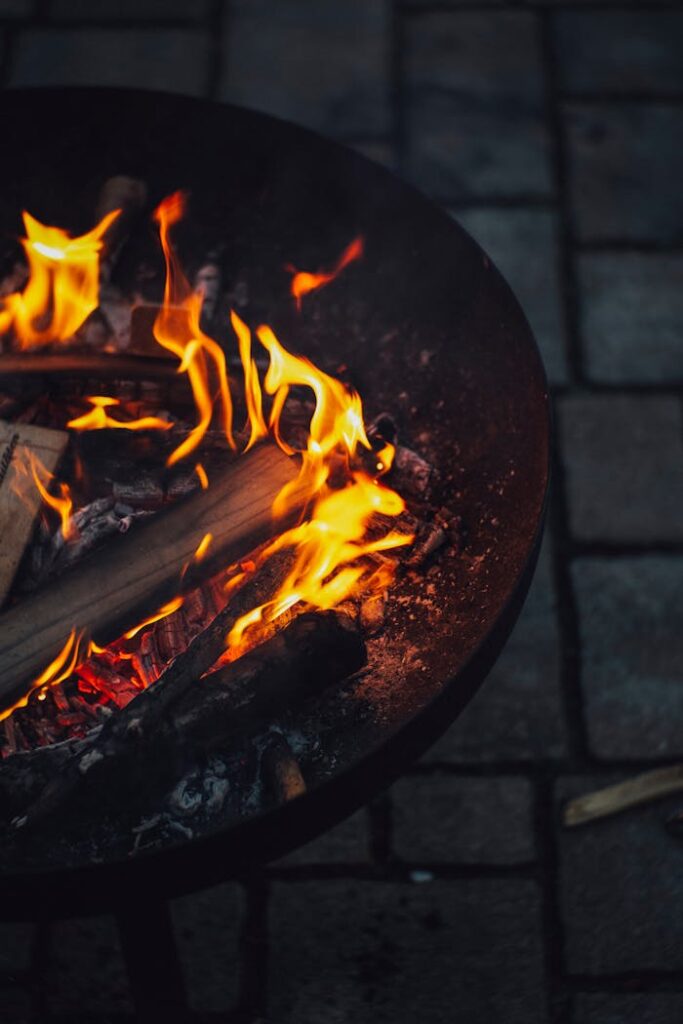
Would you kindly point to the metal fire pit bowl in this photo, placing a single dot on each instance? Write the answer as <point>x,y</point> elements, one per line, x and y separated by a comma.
<point>428,330</point>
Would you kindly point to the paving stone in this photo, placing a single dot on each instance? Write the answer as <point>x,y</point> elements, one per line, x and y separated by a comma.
<point>15,8</point>
<point>86,972</point>
<point>170,59</point>
<point>207,927</point>
<point>621,888</point>
<point>642,1008</point>
<point>376,952</point>
<point>474,105</point>
<point>347,843</point>
<point>523,245</point>
<point>158,10</point>
<point>620,51</point>
<point>15,948</point>
<point>623,458</point>
<point>442,819</point>
<point>15,1006</point>
<point>631,316</point>
<point>632,654</point>
<point>517,715</point>
<point>319,64</point>
<point>626,166</point>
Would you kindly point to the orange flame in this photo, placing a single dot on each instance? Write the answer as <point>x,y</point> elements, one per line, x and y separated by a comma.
<point>62,505</point>
<point>59,669</point>
<point>99,419</point>
<point>177,329</point>
<point>164,611</point>
<point>203,478</point>
<point>304,282</point>
<point>63,283</point>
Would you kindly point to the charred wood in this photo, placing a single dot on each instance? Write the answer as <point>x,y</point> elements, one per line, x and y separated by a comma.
<point>281,771</point>
<point>141,752</point>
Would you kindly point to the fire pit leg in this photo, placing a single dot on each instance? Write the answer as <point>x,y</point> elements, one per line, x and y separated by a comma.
<point>152,962</point>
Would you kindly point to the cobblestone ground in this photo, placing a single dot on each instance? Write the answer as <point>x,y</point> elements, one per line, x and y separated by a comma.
<point>553,131</point>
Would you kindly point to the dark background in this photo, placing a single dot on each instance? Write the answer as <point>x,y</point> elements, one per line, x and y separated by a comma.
<point>554,132</point>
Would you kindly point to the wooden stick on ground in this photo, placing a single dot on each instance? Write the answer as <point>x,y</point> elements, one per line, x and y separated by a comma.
<point>18,513</point>
<point>613,799</point>
<point>138,571</point>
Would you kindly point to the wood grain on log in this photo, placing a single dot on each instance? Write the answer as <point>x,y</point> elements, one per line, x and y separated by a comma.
<point>18,511</point>
<point>114,588</point>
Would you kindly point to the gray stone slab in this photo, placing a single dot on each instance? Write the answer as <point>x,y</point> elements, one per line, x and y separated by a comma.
<point>157,10</point>
<point>620,51</point>
<point>207,927</point>
<point>454,820</point>
<point>347,843</point>
<point>169,59</point>
<point>641,1008</point>
<point>15,1004</point>
<point>86,972</point>
<point>383,953</point>
<point>517,715</point>
<point>630,613</point>
<point>15,948</point>
<point>523,245</point>
<point>632,316</point>
<point>621,889</point>
<point>474,105</point>
<point>15,8</point>
<point>623,459</point>
<point>626,166</point>
<point>322,65</point>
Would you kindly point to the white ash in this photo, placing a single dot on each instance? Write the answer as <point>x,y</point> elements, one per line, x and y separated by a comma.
<point>88,760</point>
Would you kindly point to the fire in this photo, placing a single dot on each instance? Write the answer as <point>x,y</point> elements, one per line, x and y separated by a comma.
<point>63,284</point>
<point>333,554</point>
<point>177,329</point>
<point>304,282</point>
<point>62,504</point>
<point>98,418</point>
<point>59,669</point>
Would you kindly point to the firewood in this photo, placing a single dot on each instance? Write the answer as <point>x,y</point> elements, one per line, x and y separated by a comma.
<point>98,365</point>
<point>281,771</point>
<point>128,195</point>
<point>116,587</point>
<point>143,750</point>
<point>613,799</point>
<point>18,511</point>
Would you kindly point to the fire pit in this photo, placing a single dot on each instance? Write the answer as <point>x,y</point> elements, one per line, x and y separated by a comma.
<point>150,794</point>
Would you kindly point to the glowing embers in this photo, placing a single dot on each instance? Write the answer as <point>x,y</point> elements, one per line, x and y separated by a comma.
<point>63,284</point>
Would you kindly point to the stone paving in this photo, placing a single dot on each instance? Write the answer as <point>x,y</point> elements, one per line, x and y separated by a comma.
<point>553,131</point>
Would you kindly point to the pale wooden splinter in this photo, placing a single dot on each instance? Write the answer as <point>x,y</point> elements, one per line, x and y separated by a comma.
<point>112,590</point>
<point>20,500</point>
<point>613,799</point>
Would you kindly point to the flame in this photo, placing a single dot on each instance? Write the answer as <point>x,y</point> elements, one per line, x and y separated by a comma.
<point>99,419</point>
<point>166,609</point>
<point>59,669</point>
<point>304,282</point>
<point>63,284</point>
<point>63,504</point>
<point>177,329</point>
<point>333,551</point>
<point>203,478</point>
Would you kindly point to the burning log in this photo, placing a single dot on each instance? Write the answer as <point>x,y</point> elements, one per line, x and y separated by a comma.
<point>128,195</point>
<point>98,365</point>
<point>18,514</point>
<point>145,748</point>
<point>142,568</point>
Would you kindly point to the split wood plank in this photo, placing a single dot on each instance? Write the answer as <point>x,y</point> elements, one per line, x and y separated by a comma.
<point>111,590</point>
<point>19,511</point>
<point>613,799</point>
